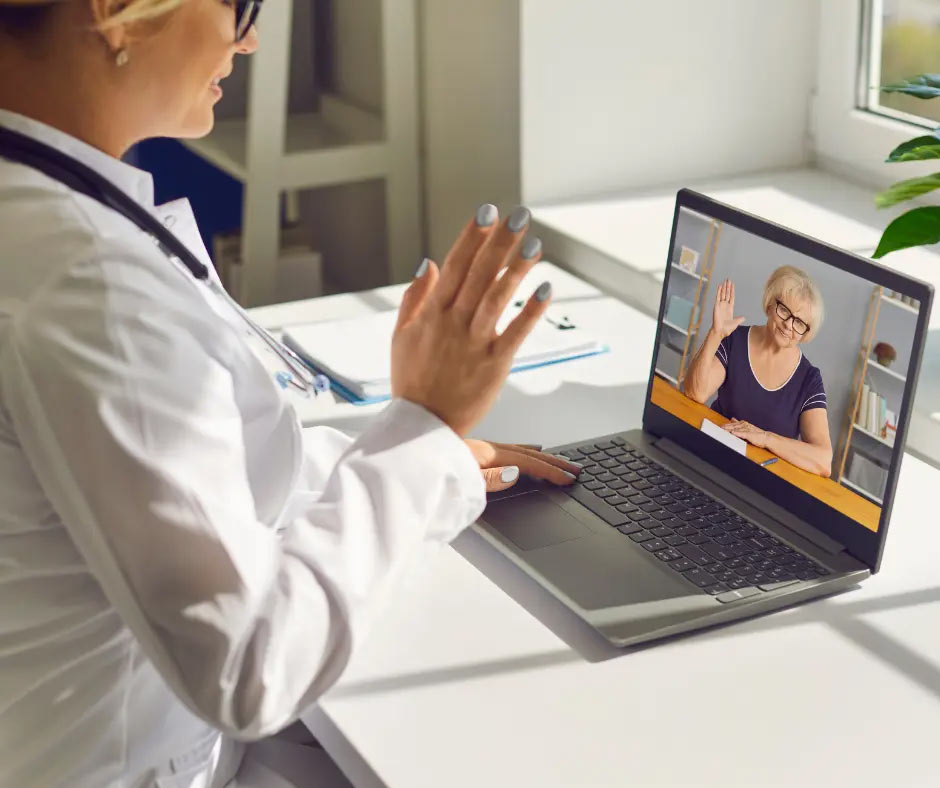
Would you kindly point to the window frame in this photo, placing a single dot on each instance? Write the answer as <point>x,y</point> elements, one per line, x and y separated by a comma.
<point>848,138</point>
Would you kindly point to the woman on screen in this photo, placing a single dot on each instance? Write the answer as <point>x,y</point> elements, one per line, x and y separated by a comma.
<point>773,395</point>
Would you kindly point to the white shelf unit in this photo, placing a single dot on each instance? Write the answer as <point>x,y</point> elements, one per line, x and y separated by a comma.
<point>270,151</point>
<point>881,368</point>
<point>872,435</point>
<point>675,327</point>
<point>681,270</point>
<point>856,488</point>
<point>900,304</point>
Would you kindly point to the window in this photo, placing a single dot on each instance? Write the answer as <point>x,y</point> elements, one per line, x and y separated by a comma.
<point>901,39</point>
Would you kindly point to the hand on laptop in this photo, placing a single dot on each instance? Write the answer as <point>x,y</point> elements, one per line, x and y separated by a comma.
<point>502,463</point>
<point>446,354</point>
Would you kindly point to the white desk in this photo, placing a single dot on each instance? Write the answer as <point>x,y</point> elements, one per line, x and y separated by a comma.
<point>475,677</point>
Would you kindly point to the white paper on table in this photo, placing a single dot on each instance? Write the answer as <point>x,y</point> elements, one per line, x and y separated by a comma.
<point>731,441</point>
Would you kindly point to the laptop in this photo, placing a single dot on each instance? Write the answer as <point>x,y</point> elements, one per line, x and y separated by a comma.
<point>680,525</point>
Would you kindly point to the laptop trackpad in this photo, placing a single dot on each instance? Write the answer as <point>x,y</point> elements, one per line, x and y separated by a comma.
<point>531,521</point>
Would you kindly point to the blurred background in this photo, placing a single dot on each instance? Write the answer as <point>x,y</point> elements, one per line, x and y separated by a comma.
<point>364,133</point>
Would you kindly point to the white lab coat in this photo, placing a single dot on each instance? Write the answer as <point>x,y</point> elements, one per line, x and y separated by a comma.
<point>177,557</point>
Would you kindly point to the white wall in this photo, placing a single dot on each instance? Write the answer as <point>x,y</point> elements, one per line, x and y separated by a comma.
<point>624,94</point>
<point>470,119</point>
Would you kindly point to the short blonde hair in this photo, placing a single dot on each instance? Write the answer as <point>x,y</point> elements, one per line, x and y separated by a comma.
<point>788,284</point>
<point>140,11</point>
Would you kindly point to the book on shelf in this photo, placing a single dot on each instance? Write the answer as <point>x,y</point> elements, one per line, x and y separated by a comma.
<point>861,418</point>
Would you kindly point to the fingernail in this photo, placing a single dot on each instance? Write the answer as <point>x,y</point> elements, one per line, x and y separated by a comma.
<point>543,292</point>
<point>518,219</point>
<point>531,247</point>
<point>422,268</point>
<point>570,476</point>
<point>509,474</point>
<point>486,215</point>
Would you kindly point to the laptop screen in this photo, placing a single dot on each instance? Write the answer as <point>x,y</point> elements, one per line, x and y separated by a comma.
<point>793,362</point>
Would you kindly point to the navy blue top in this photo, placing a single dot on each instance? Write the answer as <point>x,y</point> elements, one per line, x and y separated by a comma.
<point>743,397</point>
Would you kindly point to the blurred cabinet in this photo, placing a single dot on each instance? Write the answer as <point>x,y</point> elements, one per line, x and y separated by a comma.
<point>272,151</point>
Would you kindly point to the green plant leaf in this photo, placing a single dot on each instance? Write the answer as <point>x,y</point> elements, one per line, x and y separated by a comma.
<point>917,149</point>
<point>925,86</point>
<point>908,190</point>
<point>914,228</point>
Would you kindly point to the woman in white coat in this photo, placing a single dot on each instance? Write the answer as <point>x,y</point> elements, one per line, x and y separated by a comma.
<point>180,565</point>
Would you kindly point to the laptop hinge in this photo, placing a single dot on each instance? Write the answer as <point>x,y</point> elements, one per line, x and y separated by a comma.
<point>760,502</point>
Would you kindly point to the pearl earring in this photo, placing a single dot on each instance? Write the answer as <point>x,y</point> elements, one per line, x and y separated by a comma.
<point>121,57</point>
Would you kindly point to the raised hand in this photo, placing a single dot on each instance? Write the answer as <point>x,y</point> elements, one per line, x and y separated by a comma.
<point>723,319</point>
<point>446,354</point>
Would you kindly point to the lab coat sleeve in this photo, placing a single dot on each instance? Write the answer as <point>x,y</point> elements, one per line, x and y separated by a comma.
<point>118,381</point>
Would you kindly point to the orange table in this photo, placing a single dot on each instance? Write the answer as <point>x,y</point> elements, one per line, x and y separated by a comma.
<point>669,398</point>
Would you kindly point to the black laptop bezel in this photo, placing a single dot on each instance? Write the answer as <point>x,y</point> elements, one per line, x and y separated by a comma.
<point>867,546</point>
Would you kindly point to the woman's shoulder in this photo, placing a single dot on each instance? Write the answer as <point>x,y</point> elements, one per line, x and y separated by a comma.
<point>811,374</point>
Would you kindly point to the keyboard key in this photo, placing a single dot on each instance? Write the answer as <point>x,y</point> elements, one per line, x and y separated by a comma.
<point>616,452</point>
<point>605,476</point>
<point>605,445</point>
<point>572,454</point>
<point>699,577</point>
<point>717,552</point>
<point>773,586</point>
<point>609,463</point>
<point>806,574</point>
<point>597,505</point>
<point>660,514</point>
<point>626,508</point>
<point>694,553</point>
<point>655,544</point>
<point>593,485</point>
<point>735,595</point>
<point>661,531</point>
<point>604,493</point>
<point>641,536</point>
<point>638,516</point>
<point>616,500</point>
<point>739,582</point>
<point>687,530</point>
<point>682,565</point>
<point>667,555</point>
<point>591,468</point>
<point>618,441</point>
<point>617,484</point>
<point>649,506</point>
<point>699,539</point>
<point>675,540</point>
<point>629,528</point>
<point>724,539</point>
<point>716,589</point>
<point>587,448</point>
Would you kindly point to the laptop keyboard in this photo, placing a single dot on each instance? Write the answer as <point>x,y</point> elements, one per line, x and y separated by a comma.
<point>711,546</point>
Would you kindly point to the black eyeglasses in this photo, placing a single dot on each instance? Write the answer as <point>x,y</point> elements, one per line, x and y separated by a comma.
<point>785,314</point>
<point>246,12</point>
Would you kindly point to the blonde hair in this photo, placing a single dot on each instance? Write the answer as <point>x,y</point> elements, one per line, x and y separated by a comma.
<point>789,283</point>
<point>140,11</point>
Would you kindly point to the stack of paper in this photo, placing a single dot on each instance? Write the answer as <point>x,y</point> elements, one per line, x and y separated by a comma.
<point>356,353</point>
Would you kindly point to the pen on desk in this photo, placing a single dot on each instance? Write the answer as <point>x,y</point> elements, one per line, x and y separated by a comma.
<point>771,461</point>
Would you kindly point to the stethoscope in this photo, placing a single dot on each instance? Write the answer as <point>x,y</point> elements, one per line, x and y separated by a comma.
<point>81,178</point>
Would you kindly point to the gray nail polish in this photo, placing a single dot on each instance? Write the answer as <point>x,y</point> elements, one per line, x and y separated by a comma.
<point>531,247</point>
<point>422,268</point>
<point>518,219</point>
<point>509,474</point>
<point>543,292</point>
<point>486,215</point>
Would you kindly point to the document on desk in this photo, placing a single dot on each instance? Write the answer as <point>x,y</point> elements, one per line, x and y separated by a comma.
<point>718,433</point>
<point>356,353</point>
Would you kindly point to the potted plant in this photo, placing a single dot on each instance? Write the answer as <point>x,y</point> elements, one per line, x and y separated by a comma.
<point>920,226</point>
<point>884,354</point>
